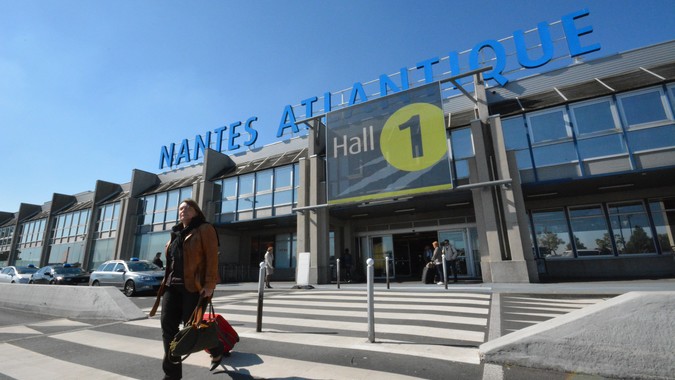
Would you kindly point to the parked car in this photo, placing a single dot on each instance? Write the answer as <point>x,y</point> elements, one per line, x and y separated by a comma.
<point>130,276</point>
<point>61,274</point>
<point>17,275</point>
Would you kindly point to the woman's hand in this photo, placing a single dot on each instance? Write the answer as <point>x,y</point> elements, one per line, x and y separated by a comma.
<point>206,292</point>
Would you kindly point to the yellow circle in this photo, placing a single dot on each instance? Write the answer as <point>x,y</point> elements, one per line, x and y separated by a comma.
<point>413,138</point>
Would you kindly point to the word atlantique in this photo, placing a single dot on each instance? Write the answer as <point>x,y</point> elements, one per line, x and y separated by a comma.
<point>229,138</point>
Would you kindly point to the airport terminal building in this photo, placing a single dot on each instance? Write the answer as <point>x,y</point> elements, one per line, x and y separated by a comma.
<point>562,175</point>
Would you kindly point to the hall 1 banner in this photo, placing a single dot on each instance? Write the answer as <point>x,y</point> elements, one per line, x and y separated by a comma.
<point>390,147</point>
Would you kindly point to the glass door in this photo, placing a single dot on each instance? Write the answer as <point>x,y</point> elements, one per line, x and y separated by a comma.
<point>458,240</point>
<point>377,248</point>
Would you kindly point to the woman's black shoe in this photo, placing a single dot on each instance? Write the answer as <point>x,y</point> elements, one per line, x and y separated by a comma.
<point>215,362</point>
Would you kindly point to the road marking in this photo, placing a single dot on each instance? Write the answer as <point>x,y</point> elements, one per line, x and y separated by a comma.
<point>18,330</point>
<point>16,364</point>
<point>255,365</point>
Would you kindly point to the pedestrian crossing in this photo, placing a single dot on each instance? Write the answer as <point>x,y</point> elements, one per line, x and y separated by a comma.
<point>433,329</point>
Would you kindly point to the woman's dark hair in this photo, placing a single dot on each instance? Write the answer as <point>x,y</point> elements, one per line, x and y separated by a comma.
<point>191,202</point>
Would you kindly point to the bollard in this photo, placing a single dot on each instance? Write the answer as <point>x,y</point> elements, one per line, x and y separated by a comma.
<point>371,309</point>
<point>445,271</point>
<point>386,269</point>
<point>337,274</point>
<point>261,291</point>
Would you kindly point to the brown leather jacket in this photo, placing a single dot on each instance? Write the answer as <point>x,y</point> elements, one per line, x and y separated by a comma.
<point>200,258</point>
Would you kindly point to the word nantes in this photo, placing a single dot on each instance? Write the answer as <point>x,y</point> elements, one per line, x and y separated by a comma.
<point>171,157</point>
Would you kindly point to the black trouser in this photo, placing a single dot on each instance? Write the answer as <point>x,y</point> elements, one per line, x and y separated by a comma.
<point>177,306</point>
<point>452,265</point>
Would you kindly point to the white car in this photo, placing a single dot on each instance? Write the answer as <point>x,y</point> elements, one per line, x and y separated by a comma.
<point>17,275</point>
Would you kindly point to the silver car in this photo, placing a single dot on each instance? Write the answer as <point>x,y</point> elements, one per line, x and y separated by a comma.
<point>130,276</point>
<point>17,275</point>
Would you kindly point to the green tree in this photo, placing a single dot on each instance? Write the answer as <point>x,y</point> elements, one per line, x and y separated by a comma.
<point>639,242</point>
<point>550,241</point>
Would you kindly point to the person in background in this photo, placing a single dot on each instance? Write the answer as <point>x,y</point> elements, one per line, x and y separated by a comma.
<point>158,260</point>
<point>269,266</point>
<point>436,259</point>
<point>346,260</point>
<point>450,258</point>
<point>190,276</point>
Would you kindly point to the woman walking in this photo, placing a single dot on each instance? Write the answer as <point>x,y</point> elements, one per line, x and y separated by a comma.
<point>190,275</point>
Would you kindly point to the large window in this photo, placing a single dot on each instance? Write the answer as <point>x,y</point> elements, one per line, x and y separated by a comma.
<point>549,125</point>
<point>461,143</point>
<point>107,221</point>
<point>266,193</point>
<point>159,212</point>
<point>622,228</point>
<point>663,214</point>
<point>516,139</point>
<point>630,224</point>
<point>634,130</point>
<point>589,228</point>
<point>68,237</point>
<point>6,234</point>
<point>648,118</point>
<point>29,248</point>
<point>551,233</point>
<point>71,227</point>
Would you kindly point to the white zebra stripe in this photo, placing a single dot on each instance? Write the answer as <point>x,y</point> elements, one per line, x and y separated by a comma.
<point>15,359</point>
<point>265,366</point>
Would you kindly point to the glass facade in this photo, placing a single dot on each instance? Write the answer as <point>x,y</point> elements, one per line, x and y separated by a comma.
<point>6,234</point>
<point>68,237</point>
<point>30,244</point>
<point>156,215</point>
<point>266,193</point>
<point>107,220</point>
<point>631,131</point>
<point>622,228</point>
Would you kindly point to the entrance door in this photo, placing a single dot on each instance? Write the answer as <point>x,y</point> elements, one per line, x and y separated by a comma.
<point>459,240</point>
<point>378,248</point>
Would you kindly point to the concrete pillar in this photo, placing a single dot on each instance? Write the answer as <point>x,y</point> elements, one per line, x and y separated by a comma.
<point>302,217</point>
<point>521,266</point>
<point>487,216</point>
<point>319,272</point>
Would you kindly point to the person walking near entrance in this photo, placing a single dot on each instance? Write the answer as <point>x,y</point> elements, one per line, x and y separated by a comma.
<point>269,266</point>
<point>451,258</point>
<point>436,259</point>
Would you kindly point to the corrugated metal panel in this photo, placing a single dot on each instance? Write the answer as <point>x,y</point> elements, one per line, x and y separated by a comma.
<point>651,56</point>
<point>273,161</point>
<point>177,184</point>
<point>10,222</point>
<point>38,216</point>
<point>77,206</point>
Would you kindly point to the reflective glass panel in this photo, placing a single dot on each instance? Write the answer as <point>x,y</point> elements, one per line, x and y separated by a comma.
<point>594,117</point>
<point>663,214</point>
<point>642,108</point>
<point>551,232</point>
<point>462,143</point>
<point>548,126</point>
<point>554,154</point>
<point>631,228</point>
<point>515,133</point>
<point>283,176</point>
<point>602,146</point>
<point>652,138</point>
<point>589,228</point>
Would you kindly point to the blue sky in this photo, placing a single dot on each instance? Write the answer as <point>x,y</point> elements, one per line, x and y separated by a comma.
<point>93,89</point>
